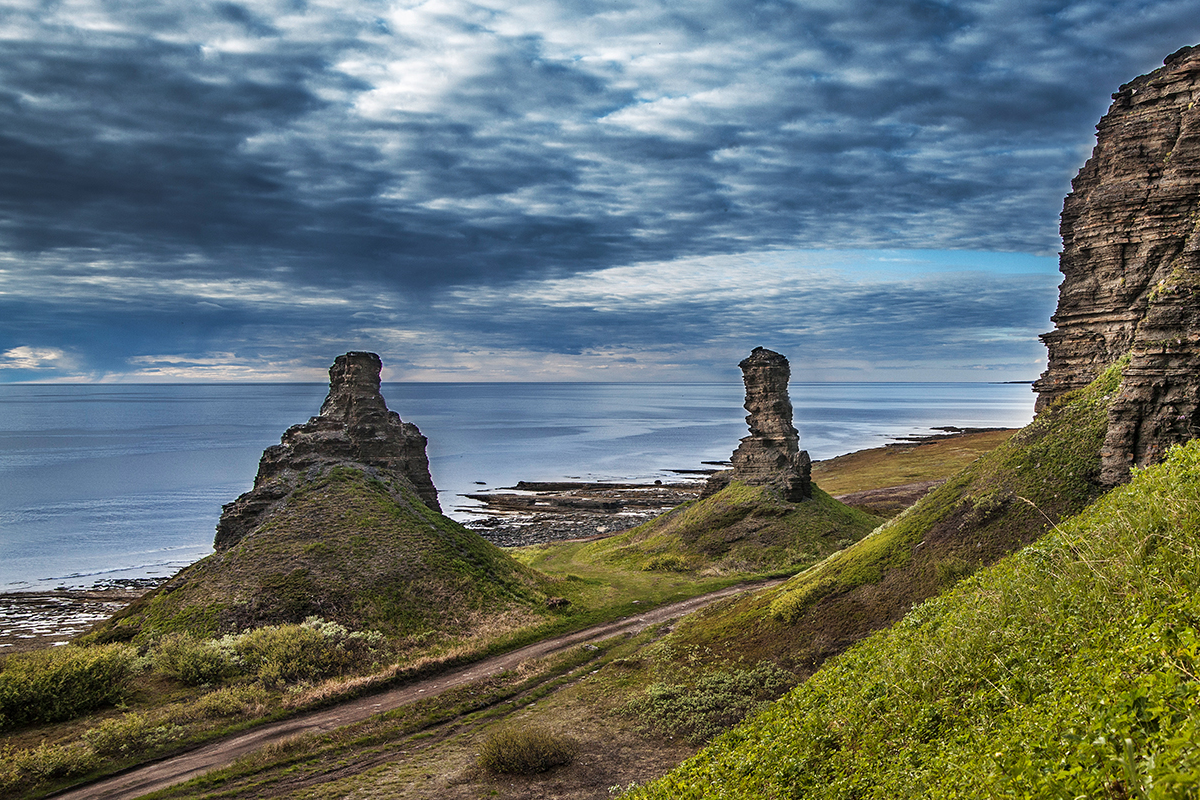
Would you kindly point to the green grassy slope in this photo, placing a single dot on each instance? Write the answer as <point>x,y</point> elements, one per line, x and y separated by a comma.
<point>351,548</point>
<point>1067,670</point>
<point>1003,501</point>
<point>741,529</point>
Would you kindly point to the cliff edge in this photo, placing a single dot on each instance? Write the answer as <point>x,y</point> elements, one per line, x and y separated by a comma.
<point>1131,267</point>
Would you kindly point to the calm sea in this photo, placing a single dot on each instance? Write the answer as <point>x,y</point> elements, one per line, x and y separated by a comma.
<point>103,482</point>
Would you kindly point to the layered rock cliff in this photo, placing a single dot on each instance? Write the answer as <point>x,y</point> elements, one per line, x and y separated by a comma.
<point>770,455</point>
<point>1131,267</point>
<point>354,427</point>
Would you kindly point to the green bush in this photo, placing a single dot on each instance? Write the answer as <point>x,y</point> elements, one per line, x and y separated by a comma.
<point>275,654</point>
<point>316,649</point>
<point>526,751</point>
<point>63,682</point>
<point>197,662</point>
<point>230,701</point>
<point>717,701</point>
<point>21,770</point>
<point>129,734</point>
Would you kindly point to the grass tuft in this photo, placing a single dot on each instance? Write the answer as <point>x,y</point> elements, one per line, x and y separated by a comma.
<point>526,751</point>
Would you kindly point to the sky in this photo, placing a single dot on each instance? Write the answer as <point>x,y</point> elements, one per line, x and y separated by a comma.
<point>546,189</point>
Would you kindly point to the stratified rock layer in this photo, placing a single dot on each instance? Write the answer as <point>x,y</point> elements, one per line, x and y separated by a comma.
<point>1131,267</point>
<point>771,454</point>
<point>354,427</point>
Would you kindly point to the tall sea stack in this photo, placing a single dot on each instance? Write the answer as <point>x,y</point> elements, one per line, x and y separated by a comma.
<point>354,427</point>
<point>1131,267</point>
<point>343,524</point>
<point>771,454</point>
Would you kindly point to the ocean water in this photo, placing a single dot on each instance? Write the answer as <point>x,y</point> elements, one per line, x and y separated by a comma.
<point>103,482</point>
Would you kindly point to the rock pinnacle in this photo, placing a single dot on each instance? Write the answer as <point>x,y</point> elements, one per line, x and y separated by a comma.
<point>353,427</point>
<point>771,454</point>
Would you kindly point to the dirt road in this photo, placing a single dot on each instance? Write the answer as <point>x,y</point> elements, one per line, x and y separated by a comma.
<point>152,777</point>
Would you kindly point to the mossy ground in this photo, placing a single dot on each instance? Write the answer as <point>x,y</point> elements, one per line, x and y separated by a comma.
<point>1067,670</point>
<point>739,530</point>
<point>898,464</point>
<point>353,549</point>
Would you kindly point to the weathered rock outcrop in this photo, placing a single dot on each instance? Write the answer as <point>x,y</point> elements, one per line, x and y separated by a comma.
<point>771,454</point>
<point>353,427</point>
<point>1131,267</point>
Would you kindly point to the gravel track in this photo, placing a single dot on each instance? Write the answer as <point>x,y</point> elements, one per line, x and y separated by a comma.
<point>152,777</point>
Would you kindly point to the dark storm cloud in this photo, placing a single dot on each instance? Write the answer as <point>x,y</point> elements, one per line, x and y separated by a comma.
<point>420,152</point>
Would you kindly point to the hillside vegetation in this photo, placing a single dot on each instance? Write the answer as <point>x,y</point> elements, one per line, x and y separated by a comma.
<point>740,529</point>
<point>1045,472</point>
<point>1067,670</point>
<point>353,549</point>
<point>353,584</point>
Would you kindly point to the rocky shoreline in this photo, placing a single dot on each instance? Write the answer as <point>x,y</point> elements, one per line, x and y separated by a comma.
<point>33,620</point>
<point>536,513</point>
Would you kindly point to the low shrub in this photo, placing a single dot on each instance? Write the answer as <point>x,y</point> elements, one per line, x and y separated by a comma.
<point>128,735</point>
<point>231,701</point>
<point>197,662</point>
<point>526,751</point>
<point>63,682</point>
<point>717,701</point>
<point>281,654</point>
<point>21,770</point>
<point>275,654</point>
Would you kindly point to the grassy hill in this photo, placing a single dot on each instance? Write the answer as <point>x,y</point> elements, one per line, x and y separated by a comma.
<point>741,529</point>
<point>1069,669</point>
<point>1001,502</point>
<point>350,548</point>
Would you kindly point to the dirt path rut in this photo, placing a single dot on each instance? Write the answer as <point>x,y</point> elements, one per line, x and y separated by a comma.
<point>159,775</point>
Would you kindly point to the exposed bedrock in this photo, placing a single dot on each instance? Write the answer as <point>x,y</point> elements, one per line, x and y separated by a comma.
<point>1131,267</point>
<point>354,427</point>
<point>771,454</point>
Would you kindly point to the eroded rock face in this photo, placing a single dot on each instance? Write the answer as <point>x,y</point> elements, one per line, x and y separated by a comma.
<point>771,454</point>
<point>353,427</point>
<point>1131,267</point>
